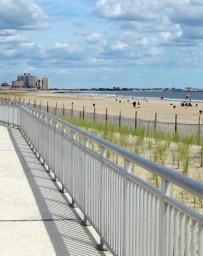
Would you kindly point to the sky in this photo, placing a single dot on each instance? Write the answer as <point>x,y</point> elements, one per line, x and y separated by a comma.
<point>103,43</point>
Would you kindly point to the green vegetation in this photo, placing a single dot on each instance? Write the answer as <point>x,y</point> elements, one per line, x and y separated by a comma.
<point>175,150</point>
<point>99,127</point>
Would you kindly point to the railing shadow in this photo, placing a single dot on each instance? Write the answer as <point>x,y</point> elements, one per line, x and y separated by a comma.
<point>68,237</point>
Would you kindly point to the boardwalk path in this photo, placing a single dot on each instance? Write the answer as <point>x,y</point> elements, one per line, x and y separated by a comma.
<point>34,216</point>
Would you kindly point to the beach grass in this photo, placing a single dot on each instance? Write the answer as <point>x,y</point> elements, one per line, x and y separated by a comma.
<point>172,150</point>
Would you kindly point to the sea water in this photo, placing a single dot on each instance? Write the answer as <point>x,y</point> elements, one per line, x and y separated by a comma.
<point>167,95</point>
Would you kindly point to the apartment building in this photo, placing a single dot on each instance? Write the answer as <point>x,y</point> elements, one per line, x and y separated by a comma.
<point>31,82</point>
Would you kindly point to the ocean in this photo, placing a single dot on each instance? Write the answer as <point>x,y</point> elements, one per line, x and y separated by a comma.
<point>167,95</point>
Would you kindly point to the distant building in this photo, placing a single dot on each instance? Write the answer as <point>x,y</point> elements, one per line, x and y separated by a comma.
<point>17,84</point>
<point>45,83</point>
<point>5,86</point>
<point>188,88</point>
<point>31,82</point>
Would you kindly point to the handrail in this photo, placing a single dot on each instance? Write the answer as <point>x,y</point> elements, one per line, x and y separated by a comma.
<point>166,173</point>
<point>169,174</point>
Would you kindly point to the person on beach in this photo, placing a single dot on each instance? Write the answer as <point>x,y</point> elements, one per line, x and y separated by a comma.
<point>134,104</point>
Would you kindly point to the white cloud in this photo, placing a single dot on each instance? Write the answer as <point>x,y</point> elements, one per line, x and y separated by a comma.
<point>166,35</point>
<point>8,52</point>
<point>21,14</point>
<point>120,46</point>
<point>127,9</point>
<point>11,37</point>
<point>156,22</point>
<point>68,47</point>
<point>188,15</point>
<point>94,37</point>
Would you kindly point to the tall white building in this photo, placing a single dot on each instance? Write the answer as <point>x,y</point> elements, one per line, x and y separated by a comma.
<point>17,84</point>
<point>45,83</point>
<point>32,82</point>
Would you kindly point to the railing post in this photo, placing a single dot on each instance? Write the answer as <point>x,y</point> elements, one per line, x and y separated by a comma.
<point>126,206</point>
<point>8,114</point>
<point>13,114</point>
<point>101,245</point>
<point>49,154</point>
<point>62,155</point>
<point>37,136</point>
<point>85,145</point>
<point>56,108</point>
<point>43,139</point>
<point>164,218</point>
<point>47,107</point>
<point>73,137</point>
<point>41,159</point>
<point>54,171</point>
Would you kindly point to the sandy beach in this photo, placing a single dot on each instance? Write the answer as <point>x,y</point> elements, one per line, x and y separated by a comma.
<point>146,110</point>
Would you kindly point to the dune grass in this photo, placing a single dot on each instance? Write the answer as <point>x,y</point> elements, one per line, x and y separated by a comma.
<point>172,150</point>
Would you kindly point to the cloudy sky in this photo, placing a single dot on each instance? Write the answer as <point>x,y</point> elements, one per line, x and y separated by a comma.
<point>103,43</point>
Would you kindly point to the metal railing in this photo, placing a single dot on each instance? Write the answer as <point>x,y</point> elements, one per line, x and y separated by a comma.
<point>131,216</point>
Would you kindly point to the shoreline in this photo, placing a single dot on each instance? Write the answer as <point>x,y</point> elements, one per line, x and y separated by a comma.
<point>112,94</point>
<point>166,109</point>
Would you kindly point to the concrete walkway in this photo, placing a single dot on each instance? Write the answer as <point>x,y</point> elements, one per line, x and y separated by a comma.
<point>34,216</point>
